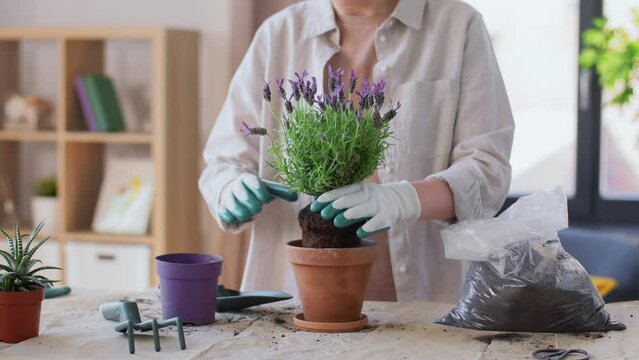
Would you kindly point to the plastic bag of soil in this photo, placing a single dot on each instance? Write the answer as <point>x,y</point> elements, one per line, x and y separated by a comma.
<point>520,278</point>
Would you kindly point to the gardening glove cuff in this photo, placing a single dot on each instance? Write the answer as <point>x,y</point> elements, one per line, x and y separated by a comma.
<point>381,206</point>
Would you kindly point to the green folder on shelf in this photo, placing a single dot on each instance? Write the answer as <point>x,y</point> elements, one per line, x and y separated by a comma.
<point>104,103</point>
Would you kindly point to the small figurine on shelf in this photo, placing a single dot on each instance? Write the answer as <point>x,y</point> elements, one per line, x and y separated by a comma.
<point>27,113</point>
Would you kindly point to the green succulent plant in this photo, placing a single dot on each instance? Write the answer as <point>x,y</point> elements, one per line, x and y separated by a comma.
<point>47,187</point>
<point>18,272</point>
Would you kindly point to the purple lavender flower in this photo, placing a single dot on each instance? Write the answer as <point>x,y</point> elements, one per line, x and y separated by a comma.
<point>313,86</point>
<point>339,93</point>
<point>289,104</point>
<point>353,82</point>
<point>366,95</point>
<point>377,117</point>
<point>300,78</point>
<point>331,79</point>
<point>296,90</point>
<point>308,93</point>
<point>378,92</point>
<point>247,130</point>
<point>320,102</point>
<point>392,112</point>
<point>334,78</point>
<point>280,88</point>
<point>266,92</point>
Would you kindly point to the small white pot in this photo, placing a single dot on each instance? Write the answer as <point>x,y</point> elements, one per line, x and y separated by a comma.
<point>45,208</point>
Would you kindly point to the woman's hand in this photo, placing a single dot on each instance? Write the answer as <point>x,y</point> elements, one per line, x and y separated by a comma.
<point>244,197</point>
<point>381,205</point>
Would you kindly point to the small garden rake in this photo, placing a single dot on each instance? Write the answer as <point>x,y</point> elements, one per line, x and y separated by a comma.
<point>128,314</point>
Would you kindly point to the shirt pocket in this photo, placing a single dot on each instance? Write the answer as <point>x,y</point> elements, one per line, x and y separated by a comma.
<point>425,123</point>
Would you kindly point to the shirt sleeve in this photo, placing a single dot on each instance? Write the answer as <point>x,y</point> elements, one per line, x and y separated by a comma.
<point>480,173</point>
<point>228,153</point>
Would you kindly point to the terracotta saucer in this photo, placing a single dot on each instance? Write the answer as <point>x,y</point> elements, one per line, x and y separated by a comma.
<point>326,327</point>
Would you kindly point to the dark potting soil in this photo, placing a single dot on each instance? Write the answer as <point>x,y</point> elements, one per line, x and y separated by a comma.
<point>534,287</point>
<point>320,233</point>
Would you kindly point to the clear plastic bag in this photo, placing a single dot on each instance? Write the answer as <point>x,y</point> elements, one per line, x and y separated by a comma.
<point>521,279</point>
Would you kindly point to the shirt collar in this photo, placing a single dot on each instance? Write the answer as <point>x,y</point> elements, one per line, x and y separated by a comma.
<point>409,12</point>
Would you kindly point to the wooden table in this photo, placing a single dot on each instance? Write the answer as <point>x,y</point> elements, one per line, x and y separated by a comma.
<point>72,328</point>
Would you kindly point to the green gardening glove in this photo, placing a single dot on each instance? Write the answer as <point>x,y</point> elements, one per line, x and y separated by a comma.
<point>244,197</point>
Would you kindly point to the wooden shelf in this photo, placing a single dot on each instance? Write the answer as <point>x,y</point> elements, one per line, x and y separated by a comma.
<point>33,136</point>
<point>108,238</point>
<point>108,138</point>
<point>89,33</point>
<point>173,65</point>
<point>27,229</point>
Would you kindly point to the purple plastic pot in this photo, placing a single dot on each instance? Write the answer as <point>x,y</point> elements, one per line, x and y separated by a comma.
<point>188,286</point>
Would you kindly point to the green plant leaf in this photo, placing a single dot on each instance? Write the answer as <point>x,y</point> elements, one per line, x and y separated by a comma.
<point>35,248</point>
<point>10,240</point>
<point>32,262</point>
<point>8,258</point>
<point>32,272</point>
<point>19,248</point>
<point>588,58</point>
<point>33,235</point>
<point>6,268</point>
<point>47,187</point>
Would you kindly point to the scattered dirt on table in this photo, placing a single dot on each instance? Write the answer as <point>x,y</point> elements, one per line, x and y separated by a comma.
<point>592,335</point>
<point>510,337</point>
<point>396,326</point>
<point>369,328</point>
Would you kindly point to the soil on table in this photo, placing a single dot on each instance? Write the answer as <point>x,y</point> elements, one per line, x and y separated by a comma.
<point>320,233</point>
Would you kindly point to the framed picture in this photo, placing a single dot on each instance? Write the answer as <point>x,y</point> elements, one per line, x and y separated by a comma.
<point>126,197</point>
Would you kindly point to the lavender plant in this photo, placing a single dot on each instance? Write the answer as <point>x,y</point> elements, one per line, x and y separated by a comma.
<point>327,141</point>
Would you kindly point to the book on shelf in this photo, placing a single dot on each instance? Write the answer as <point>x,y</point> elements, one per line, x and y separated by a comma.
<point>103,103</point>
<point>85,104</point>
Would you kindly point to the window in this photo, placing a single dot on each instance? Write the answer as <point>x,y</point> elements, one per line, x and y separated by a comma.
<point>537,44</point>
<point>564,135</point>
<point>619,162</point>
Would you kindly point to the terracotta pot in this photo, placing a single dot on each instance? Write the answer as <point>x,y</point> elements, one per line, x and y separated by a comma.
<point>20,315</point>
<point>332,282</point>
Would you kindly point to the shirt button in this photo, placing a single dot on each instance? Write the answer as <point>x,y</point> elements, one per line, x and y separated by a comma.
<point>382,38</point>
<point>384,68</point>
<point>402,268</point>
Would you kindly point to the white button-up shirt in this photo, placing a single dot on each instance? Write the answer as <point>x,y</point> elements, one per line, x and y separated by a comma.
<point>455,124</point>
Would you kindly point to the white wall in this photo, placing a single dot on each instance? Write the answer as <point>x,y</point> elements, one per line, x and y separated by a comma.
<point>225,27</point>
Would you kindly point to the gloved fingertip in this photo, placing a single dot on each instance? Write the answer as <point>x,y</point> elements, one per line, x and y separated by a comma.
<point>226,217</point>
<point>329,212</point>
<point>341,221</point>
<point>317,206</point>
<point>363,234</point>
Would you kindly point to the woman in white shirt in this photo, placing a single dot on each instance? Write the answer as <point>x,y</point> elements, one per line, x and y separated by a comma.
<point>450,160</point>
